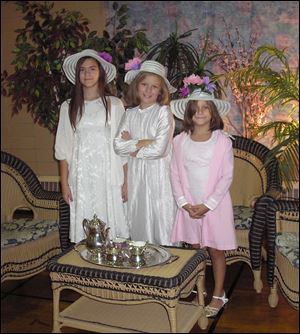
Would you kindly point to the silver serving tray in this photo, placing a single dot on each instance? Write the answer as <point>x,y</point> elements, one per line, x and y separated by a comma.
<point>153,255</point>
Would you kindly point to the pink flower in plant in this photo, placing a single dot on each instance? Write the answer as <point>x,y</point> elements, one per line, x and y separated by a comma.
<point>133,64</point>
<point>192,80</point>
<point>106,56</point>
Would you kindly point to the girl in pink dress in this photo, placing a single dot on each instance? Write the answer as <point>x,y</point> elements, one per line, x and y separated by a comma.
<point>201,175</point>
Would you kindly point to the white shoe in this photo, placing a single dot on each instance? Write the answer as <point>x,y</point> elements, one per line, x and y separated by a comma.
<point>213,311</point>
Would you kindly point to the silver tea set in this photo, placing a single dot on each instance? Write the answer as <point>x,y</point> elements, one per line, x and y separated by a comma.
<point>115,251</point>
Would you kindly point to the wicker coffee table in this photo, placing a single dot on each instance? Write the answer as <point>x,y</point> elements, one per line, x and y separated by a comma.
<point>119,300</point>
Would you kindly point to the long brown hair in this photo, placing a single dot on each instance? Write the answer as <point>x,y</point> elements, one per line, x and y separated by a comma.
<point>77,98</point>
<point>216,121</point>
<point>131,97</point>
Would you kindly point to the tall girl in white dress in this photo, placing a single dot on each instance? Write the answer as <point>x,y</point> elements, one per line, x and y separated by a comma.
<point>93,177</point>
<point>145,137</point>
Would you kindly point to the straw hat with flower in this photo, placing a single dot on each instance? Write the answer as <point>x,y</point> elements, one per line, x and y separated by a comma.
<point>104,58</point>
<point>195,89</point>
<point>135,66</point>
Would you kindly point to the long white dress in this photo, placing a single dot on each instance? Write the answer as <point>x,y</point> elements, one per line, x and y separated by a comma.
<point>151,205</point>
<point>95,171</point>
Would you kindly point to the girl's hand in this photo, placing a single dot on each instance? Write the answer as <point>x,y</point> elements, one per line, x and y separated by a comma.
<point>66,193</point>
<point>199,211</point>
<point>133,154</point>
<point>189,208</point>
<point>125,135</point>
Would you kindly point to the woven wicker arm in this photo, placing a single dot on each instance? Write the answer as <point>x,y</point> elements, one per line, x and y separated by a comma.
<point>252,183</point>
<point>283,216</point>
<point>20,188</point>
<point>271,189</point>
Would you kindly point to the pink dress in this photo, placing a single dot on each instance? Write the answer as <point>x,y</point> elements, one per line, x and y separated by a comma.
<point>216,228</point>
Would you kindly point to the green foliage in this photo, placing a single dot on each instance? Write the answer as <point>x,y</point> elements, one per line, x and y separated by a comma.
<point>41,47</point>
<point>180,58</point>
<point>273,79</point>
<point>122,43</point>
<point>204,60</point>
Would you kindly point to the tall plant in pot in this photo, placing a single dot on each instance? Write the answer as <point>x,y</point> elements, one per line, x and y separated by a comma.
<point>273,79</point>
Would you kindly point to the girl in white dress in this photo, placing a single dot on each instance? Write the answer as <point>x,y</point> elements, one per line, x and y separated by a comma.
<point>145,137</point>
<point>93,177</point>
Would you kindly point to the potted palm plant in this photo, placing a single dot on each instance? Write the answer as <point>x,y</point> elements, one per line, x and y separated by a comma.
<point>273,79</point>
<point>178,56</point>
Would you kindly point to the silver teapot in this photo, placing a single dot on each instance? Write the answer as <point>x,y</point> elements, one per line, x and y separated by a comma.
<point>96,234</point>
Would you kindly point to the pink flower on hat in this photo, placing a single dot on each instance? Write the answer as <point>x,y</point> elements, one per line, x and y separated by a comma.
<point>133,64</point>
<point>192,80</point>
<point>106,56</point>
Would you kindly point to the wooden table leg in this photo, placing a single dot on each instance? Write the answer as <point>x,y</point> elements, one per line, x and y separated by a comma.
<point>203,321</point>
<point>172,318</point>
<point>56,323</point>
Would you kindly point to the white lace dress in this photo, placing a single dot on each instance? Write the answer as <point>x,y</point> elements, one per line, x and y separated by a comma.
<point>89,155</point>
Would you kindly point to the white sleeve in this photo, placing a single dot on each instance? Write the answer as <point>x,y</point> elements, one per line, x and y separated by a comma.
<point>124,147</point>
<point>117,162</point>
<point>164,134</point>
<point>64,135</point>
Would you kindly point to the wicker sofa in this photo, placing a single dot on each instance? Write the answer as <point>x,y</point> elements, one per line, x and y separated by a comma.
<point>28,242</point>
<point>283,251</point>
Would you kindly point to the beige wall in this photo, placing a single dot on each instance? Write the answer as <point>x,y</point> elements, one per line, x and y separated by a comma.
<point>19,135</point>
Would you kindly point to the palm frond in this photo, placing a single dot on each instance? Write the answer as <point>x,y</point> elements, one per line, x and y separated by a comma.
<point>286,134</point>
<point>277,87</point>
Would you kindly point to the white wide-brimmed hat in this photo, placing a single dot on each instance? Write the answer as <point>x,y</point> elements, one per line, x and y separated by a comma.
<point>178,107</point>
<point>69,65</point>
<point>150,66</point>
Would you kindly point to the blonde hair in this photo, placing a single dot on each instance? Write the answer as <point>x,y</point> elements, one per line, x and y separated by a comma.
<point>132,98</point>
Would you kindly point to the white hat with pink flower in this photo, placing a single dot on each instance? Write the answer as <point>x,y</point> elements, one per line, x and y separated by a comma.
<point>104,58</point>
<point>196,88</point>
<point>135,66</point>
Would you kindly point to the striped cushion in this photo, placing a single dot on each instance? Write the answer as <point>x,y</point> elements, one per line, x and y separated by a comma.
<point>22,230</point>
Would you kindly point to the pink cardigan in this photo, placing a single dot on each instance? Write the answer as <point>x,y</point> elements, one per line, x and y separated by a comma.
<point>216,228</point>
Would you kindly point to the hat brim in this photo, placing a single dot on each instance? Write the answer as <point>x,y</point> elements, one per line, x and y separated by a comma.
<point>178,107</point>
<point>131,75</point>
<point>70,63</point>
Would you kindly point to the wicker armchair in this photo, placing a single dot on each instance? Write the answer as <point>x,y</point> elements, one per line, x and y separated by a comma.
<point>252,182</point>
<point>27,244</point>
<point>283,251</point>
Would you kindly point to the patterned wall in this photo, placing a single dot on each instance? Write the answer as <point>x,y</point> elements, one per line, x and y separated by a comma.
<point>275,22</point>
